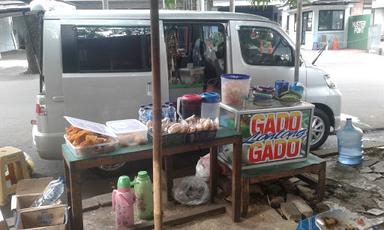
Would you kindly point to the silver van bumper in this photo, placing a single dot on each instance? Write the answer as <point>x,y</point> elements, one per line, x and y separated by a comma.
<point>48,145</point>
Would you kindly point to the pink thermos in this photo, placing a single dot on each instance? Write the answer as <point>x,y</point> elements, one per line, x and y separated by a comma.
<point>123,199</point>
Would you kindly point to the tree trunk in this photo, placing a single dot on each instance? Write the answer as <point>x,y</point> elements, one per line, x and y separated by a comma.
<point>33,38</point>
<point>209,5</point>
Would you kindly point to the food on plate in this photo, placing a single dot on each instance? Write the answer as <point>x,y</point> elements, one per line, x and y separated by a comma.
<point>330,222</point>
<point>82,138</point>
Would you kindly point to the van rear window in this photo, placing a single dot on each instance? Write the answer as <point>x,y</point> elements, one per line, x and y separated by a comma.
<point>90,49</point>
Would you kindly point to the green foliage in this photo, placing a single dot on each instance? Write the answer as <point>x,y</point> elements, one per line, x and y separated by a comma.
<point>170,4</point>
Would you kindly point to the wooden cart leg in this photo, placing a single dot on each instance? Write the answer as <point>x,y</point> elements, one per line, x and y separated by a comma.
<point>244,196</point>
<point>321,181</point>
<point>168,168</point>
<point>67,183</point>
<point>76,205</point>
<point>213,172</point>
<point>236,180</point>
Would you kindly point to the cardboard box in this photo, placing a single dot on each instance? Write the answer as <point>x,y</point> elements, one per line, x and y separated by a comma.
<point>51,217</point>
<point>26,192</point>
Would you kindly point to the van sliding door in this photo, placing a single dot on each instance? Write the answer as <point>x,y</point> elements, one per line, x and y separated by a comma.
<point>107,69</point>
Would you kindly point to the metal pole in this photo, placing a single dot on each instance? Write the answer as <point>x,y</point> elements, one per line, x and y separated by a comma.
<point>156,101</point>
<point>298,38</point>
<point>231,5</point>
<point>105,4</point>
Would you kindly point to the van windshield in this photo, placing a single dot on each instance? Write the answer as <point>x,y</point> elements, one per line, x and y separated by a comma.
<point>89,49</point>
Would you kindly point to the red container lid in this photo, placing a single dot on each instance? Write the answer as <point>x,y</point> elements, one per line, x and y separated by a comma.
<point>191,98</point>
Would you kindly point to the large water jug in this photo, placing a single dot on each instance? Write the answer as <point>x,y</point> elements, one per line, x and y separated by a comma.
<point>350,144</point>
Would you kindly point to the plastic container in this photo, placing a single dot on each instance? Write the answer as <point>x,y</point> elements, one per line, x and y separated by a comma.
<point>123,199</point>
<point>234,88</point>
<point>144,195</point>
<point>129,132</point>
<point>350,144</point>
<point>188,105</point>
<point>210,106</point>
<point>93,150</point>
<point>191,76</point>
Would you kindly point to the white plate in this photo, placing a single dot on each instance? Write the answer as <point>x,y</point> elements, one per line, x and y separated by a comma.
<point>345,220</point>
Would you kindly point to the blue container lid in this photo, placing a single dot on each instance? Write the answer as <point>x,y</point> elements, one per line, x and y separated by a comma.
<point>235,76</point>
<point>210,97</point>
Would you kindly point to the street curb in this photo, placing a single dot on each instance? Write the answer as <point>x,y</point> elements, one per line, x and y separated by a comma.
<point>322,153</point>
<point>96,202</point>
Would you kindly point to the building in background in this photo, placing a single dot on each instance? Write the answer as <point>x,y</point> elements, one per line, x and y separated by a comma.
<point>324,23</point>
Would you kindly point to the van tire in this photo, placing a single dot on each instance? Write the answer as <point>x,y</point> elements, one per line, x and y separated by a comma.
<point>320,128</point>
<point>111,171</point>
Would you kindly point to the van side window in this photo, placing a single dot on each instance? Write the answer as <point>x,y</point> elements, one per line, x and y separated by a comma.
<point>264,46</point>
<point>92,49</point>
<point>195,54</point>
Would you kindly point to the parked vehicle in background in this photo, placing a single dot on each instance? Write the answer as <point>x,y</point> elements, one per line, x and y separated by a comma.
<point>97,66</point>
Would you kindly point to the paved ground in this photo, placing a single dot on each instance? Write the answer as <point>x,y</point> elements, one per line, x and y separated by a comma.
<point>18,91</point>
<point>358,75</point>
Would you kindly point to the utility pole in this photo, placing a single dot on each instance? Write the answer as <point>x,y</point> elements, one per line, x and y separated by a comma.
<point>105,4</point>
<point>232,6</point>
<point>298,38</point>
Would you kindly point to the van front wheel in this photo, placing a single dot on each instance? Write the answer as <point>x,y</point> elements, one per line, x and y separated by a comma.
<point>320,128</point>
<point>110,170</point>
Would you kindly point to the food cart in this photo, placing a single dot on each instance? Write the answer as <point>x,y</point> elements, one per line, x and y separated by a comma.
<point>273,134</point>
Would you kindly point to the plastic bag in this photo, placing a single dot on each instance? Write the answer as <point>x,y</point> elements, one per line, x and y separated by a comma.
<point>52,193</point>
<point>202,167</point>
<point>191,191</point>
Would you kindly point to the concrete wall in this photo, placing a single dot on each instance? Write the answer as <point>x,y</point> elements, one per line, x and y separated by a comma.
<point>378,18</point>
<point>7,39</point>
<point>113,4</point>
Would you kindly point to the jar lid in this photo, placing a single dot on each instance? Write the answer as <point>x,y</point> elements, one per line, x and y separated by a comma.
<point>142,174</point>
<point>124,182</point>
<point>191,97</point>
<point>234,76</point>
<point>210,97</point>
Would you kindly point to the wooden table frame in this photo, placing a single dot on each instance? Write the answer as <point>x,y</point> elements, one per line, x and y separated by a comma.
<point>73,168</point>
<point>318,168</point>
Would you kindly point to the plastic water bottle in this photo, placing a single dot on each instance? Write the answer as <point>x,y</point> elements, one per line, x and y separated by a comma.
<point>147,115</point>
<point>164,111</point>
<point>51,194</point>
<point>350,144</point>
<point>123,199</point>
<point>172,112</point>
<point>144,194</point>
<point>141,112</point>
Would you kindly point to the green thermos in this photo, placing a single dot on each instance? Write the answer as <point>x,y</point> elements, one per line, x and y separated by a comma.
<point>144,195</point>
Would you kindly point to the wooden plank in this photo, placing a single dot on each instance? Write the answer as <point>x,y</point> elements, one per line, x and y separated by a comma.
<point>213,168</point>
<point>236,179</point>
<point>181,218</point>
<point>300,204</point>
<point>76,201</point>
<point>290,211</point>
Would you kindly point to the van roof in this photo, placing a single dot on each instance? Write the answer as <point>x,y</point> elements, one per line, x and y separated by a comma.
<point>144,14</point>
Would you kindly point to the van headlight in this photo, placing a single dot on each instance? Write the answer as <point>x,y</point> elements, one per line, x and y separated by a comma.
<point>329,81</point>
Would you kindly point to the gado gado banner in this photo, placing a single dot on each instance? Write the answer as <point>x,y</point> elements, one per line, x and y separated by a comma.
<point>275,136</point>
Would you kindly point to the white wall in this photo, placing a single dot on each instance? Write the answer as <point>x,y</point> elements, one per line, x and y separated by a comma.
<point>6,35</point>
<point>315,35</point>
<point>379,18</point>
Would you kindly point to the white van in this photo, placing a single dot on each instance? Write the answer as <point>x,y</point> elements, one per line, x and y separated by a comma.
<point>96,65</point>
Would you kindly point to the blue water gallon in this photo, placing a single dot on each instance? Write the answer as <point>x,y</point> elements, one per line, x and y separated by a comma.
<point>350,144</point>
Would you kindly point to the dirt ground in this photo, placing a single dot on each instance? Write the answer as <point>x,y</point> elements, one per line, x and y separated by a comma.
<point>357,189</point>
